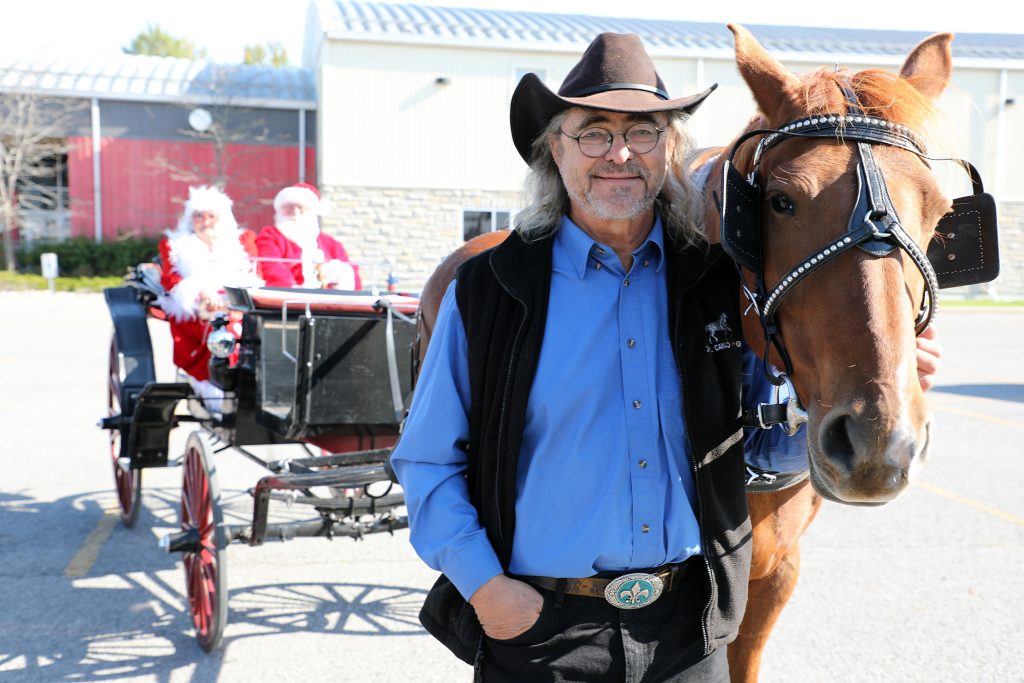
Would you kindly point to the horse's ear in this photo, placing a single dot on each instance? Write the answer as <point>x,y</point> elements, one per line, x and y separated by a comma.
<point>771,83</point>
<point>929,66</point>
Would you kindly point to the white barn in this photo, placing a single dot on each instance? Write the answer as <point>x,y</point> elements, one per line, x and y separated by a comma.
<point>413,139</point>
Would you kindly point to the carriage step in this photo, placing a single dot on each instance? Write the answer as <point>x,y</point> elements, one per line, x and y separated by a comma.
<point>348,505</point>
<point>348,477</point>
<point>373,456</point>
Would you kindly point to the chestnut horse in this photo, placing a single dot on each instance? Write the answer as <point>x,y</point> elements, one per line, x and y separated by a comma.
<point>850,329</point>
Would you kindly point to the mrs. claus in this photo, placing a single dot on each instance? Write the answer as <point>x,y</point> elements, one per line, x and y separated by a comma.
<point>205,253</point>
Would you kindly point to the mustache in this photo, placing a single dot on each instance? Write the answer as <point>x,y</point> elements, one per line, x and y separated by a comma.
<point>629,168</point>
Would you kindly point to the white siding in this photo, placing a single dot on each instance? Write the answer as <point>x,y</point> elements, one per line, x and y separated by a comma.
<point>385,122</point>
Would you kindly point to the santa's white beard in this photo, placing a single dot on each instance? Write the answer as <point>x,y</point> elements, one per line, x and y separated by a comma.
<point>302,230</point>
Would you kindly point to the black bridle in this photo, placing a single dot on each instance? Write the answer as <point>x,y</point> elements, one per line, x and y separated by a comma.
<point>874,227</point>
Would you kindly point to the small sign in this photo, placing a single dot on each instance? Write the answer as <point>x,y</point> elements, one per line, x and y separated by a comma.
<point>48,261</point>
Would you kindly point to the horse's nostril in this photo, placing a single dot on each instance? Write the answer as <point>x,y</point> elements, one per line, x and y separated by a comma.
<point>835,440</point>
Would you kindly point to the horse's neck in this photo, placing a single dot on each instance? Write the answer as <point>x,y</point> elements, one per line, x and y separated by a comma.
<point>705,167</point>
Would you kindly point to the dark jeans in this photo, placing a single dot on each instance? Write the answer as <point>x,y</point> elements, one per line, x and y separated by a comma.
<point>584,639</point>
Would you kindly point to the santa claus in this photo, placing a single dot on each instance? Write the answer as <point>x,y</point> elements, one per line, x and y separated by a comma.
<point>206,252</point>
<point>294,252</point>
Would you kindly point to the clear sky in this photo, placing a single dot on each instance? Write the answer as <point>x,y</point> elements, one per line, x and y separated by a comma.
<point>224,27</point>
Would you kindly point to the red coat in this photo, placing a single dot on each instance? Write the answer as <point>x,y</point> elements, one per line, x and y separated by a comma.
<point>272,244</point>
<point>187,330</point>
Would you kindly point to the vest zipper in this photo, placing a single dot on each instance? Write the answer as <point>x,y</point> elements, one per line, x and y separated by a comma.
<point>504,405</point>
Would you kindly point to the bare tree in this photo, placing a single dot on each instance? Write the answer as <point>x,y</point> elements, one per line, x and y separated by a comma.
<point>236,133</point>
<point>33,141</point>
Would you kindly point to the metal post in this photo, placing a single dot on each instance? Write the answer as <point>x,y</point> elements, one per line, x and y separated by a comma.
<point>302,145</point>
<point>97,192</point>
<point>1004,89</point>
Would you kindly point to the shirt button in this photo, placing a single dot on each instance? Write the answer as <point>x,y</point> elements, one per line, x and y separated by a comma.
<point>643,464</point>
<point>597,266</point>
<point>599,250</point>
<point>645,528</point>
<point>631,343</point>
<point>637,404</point>
<point>626,283</point>
<point>646,263</point>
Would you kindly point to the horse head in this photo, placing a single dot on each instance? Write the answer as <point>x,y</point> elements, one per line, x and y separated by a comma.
<point>847,325</point>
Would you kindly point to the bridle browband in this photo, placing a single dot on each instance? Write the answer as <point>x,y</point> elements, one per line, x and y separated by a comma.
<point>874,227</point>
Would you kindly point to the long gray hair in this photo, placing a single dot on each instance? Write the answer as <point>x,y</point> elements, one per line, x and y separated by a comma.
<point>680,204</point>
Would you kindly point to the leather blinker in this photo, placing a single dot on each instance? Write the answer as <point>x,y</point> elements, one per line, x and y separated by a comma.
<point>965,247</point>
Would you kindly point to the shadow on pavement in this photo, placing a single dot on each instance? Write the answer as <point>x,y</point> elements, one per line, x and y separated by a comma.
<point>1000,392</point>
<point>127,617</point>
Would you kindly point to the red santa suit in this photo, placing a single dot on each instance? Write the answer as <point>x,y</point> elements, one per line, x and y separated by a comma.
<point>192,267</point>
<point>294,252</point>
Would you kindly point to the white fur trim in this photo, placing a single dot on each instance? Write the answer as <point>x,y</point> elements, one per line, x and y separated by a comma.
<point>297,195</point>
<point>205,268</point>
<point>342,275</point>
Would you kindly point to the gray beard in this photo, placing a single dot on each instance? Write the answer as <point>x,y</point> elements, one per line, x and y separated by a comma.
<point>615,208</point>
<point>621,205</point>
<point>303,231</point>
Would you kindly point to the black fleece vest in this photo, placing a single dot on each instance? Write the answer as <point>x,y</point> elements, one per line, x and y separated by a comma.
<point>502,296</point>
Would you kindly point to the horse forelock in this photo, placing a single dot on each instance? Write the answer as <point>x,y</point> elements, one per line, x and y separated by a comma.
<point>878,93</point>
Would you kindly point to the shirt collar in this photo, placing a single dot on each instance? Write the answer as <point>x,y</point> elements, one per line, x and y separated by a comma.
<point>578,245</point>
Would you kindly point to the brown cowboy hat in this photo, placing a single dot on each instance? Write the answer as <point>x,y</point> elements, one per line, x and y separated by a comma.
<point>614,74</point>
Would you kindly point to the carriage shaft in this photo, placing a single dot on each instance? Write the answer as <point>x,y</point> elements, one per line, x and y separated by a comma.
<point>286,531</point>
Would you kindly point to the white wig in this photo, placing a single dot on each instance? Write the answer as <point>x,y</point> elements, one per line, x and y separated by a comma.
<point>208,198</point>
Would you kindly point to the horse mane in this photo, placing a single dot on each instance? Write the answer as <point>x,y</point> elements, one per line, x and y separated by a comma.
<point>879,93</point>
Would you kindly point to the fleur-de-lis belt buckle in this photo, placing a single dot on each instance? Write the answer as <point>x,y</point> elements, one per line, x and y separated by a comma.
<point>633,591</point>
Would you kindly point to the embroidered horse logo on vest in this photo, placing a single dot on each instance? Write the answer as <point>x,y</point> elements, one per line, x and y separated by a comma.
<point>715,328</point>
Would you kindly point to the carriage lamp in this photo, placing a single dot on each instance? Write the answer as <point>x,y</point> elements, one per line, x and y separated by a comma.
<point>221,342</point>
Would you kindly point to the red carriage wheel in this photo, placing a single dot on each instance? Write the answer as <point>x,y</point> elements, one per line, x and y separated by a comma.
<point>127,481</point>
<point>202,524</point>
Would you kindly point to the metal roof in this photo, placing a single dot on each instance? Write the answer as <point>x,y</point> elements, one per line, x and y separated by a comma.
<point>162,79</point>
<point>532,30</point>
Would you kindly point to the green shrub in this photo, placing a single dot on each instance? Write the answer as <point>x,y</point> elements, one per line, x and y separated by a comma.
<point>82,257</point>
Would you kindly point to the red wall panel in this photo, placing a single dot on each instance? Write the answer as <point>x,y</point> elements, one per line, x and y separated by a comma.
<point>145,182</point>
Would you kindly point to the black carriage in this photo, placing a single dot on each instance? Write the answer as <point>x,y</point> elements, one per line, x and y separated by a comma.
<point>327,371</point>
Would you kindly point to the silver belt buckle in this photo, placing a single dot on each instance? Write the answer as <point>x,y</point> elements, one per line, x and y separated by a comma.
<point>633,591</point>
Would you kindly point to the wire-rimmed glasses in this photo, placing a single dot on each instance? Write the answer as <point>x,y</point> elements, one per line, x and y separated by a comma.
<point>640,138</point>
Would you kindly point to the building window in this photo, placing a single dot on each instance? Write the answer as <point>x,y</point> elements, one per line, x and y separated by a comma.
<point>43,202</point>
<point>478,221</point>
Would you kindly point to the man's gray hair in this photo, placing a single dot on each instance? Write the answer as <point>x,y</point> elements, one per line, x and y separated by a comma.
<point>680,203</point>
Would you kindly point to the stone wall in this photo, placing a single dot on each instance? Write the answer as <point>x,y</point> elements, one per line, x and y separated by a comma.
<point>1010,283</point>
<point>415,229</point>
<point>412,229</point>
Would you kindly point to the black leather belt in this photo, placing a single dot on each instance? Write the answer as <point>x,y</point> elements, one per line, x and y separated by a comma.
<point>632,590</point>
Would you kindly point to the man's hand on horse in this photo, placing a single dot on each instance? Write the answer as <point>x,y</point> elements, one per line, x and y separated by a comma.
<point>506,607</point>
<point>928,353</point>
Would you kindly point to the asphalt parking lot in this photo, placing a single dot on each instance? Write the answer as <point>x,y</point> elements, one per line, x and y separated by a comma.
<point>927,588</point>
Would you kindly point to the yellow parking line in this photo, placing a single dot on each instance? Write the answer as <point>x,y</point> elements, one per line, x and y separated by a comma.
<point>86,556</point>
<point>969,502</point>
<point>979,416</point>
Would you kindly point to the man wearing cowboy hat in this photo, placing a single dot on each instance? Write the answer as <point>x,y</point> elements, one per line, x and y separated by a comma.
<point>571,460</point>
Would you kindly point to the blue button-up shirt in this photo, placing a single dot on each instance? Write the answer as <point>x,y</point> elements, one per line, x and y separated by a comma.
<point>604,480</point>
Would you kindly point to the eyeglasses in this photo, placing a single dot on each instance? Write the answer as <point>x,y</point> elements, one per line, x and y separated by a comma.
<point>640,138</point>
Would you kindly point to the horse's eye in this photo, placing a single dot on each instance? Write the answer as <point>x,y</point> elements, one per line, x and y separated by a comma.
<point>782,204</point>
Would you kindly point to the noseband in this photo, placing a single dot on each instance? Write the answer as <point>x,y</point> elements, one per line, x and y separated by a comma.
<point>874,227</point>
